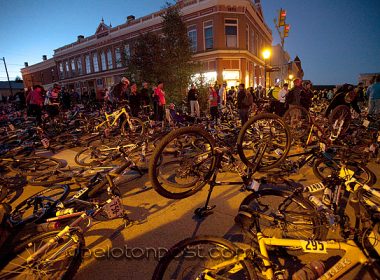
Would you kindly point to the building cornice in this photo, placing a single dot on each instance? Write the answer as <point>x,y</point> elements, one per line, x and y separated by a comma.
<point>153,22</point>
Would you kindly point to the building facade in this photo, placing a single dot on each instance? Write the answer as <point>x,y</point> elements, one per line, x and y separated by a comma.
<point>226,37</point>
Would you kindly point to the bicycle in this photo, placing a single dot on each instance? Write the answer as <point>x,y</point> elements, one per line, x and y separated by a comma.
<point>189,158</point>
<point>302,123</point>
<point>130,126</point>
<point>207,257</point>
<point>56,254</point>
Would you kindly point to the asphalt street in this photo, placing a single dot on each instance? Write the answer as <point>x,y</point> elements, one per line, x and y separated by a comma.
<point>118,252</point>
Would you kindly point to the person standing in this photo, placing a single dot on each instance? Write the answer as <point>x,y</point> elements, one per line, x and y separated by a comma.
<point>35,101</point>
<point>307,95</point>
<point>192,98</point>
<point>159,94</point>
<point>134,100</point>
<point>244,102</point>
<point>213,99</point>
<point>145,94</point>
<point>222,94</point>
<point>373,92</point>
<point>231,95</point>
<point>52,101</point>
<point>120,89</point>
<point>281,100</point>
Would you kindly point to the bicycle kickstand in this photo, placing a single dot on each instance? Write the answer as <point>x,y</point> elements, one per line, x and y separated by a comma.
<point>206,210</point>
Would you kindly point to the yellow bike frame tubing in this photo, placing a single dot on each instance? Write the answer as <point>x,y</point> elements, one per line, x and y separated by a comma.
<point>116,116</point>
<point>351,258</point>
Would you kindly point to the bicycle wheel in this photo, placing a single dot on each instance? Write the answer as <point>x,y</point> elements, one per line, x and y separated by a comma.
<point>36,165</point>
<point>39,205</point>
<point>324,167</point>
<point>182,162</point>
<point>136,130</point>
<point>339,120</point>
<point>48,266</point>
<point>283,215</point>
<point>94,155</point>
<point>265,138</point>
<point>298,120</point>
<point>199,257</point>
<point>51,178</point>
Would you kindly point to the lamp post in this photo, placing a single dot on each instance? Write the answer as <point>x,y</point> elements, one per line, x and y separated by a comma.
<point>266,55</point>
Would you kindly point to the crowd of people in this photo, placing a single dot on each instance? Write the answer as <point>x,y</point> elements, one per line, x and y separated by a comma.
<point>146,99</point>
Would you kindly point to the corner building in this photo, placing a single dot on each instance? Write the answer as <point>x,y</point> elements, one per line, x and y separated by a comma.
<point>227,38</point>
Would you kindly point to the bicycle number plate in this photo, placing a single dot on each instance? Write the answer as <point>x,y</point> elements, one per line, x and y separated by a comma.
<point>12,127</point>
<point>313,246</point>
<point>114,209</point>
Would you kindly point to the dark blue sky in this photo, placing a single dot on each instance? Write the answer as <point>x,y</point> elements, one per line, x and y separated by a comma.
<point>335,39</point>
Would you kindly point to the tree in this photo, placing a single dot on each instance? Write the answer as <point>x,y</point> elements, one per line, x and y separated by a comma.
<point>145,62</point>
<point>18,79</point>
<point>177,55</point>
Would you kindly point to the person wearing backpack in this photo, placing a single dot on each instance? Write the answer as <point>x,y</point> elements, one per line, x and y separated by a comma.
<point>244,102</point>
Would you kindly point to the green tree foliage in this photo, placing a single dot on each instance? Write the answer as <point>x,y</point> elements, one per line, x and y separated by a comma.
<point>145,62</point>
<point>166,57</point>
<point>177,54</point>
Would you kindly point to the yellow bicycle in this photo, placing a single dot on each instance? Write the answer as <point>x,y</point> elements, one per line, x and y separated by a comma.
<point>267,257</point>
<point>119,119</point>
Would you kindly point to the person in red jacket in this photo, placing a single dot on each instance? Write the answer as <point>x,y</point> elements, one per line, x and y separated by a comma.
<point>35,101</point>
<point>213,98</point>
<point>159,94</point>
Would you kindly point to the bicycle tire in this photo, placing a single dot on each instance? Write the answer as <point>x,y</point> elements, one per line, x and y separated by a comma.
<point>139,127</point>
<point>275,129</point>
<point>34,211</point>
<point>299,129</point>
<point>68,267</point>
<point>290,222</point>
<point>341,111</point>
<point>201,258</point>
<point>173,189</point>
<point>93,151</point>
<point>49,179</point>
<point>36,165</point>
<point>323,167</point>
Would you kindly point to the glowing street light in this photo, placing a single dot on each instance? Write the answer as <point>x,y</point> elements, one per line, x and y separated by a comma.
<point>291,77</point>
<point>266,55</point>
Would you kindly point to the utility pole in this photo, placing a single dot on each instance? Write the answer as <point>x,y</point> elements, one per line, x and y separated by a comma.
<point>6,70</point>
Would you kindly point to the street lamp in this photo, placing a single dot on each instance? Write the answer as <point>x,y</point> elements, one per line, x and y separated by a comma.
<point>266,55</point>
<point>290,79</point>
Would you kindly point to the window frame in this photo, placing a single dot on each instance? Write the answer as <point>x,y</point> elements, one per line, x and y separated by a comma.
<point>206,25</point>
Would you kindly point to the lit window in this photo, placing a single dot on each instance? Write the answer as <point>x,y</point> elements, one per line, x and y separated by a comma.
<point>209,36</point>
<point>230,27</point>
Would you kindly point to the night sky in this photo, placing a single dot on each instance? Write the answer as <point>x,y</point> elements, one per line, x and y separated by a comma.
<point>335,39</point>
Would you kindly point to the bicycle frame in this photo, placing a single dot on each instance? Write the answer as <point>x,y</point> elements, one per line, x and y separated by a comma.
<point>116,115</point>
<point>352,257</point>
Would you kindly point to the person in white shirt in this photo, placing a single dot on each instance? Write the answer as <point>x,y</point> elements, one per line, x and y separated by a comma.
<point>223,95</point>
<point>281,98</point>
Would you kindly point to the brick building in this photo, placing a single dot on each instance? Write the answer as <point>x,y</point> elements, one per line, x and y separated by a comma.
<point>227,38</point>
